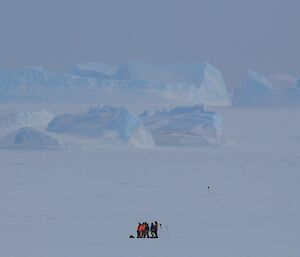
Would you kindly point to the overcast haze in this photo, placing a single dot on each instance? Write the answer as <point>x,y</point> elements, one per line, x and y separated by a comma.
<point>234,35</point>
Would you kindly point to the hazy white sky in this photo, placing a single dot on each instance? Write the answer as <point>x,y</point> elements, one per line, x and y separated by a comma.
<point>234,35</point>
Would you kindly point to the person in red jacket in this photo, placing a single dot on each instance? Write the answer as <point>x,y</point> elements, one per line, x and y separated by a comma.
<point>139,231</point>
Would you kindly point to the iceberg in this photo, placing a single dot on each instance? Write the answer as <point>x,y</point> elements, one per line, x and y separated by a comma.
<point>107,122</point>
<point>185,126</point>
<point>256,90</point>
<point>192,83</point>
<point>29,138</point>
<point>259,91</point>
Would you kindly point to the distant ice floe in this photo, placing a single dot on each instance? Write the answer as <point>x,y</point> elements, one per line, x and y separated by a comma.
<point>110,124</point>
<point>29,139</point>
<point>185,126</point>
<point>25,119</point>
<point>258,91</point>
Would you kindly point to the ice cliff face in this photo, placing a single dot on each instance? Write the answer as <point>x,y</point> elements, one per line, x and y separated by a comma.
<point>29,138</point>
<point>197,83</point>
<point>105,122</point>
<point>185,126</point>
<point>258,91</point>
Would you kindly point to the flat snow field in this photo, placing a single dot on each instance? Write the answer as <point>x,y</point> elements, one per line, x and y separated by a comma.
<point>86,203</point>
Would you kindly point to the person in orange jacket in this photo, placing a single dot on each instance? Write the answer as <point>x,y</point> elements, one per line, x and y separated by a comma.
<point>139,231</point>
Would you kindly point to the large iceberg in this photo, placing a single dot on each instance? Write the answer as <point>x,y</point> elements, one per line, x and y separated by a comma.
<point>115,124</point>
<point>29,138</point>
<point>196,83</point>
<point>259,91</point>
<point>185,126</point>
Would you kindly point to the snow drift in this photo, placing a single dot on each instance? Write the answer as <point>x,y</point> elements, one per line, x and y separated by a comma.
<point>29,138</point>
<point>185,126</point>
<point>259,91</point>
<point>108,123</point>
<point>196,83</point>
<point>25,119</point>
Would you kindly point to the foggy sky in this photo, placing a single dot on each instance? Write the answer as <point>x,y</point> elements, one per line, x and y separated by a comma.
<point>234,35</point>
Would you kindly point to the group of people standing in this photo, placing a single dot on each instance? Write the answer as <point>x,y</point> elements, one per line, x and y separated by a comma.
<point>146,231</point>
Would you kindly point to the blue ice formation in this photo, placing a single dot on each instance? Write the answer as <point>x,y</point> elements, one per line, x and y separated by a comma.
<point>104,122</point>
<point>185,126</point>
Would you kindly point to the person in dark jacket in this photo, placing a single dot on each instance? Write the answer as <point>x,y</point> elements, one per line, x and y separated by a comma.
<point>156,229</point>
<point>152,229</point>
<point>146,230</point>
